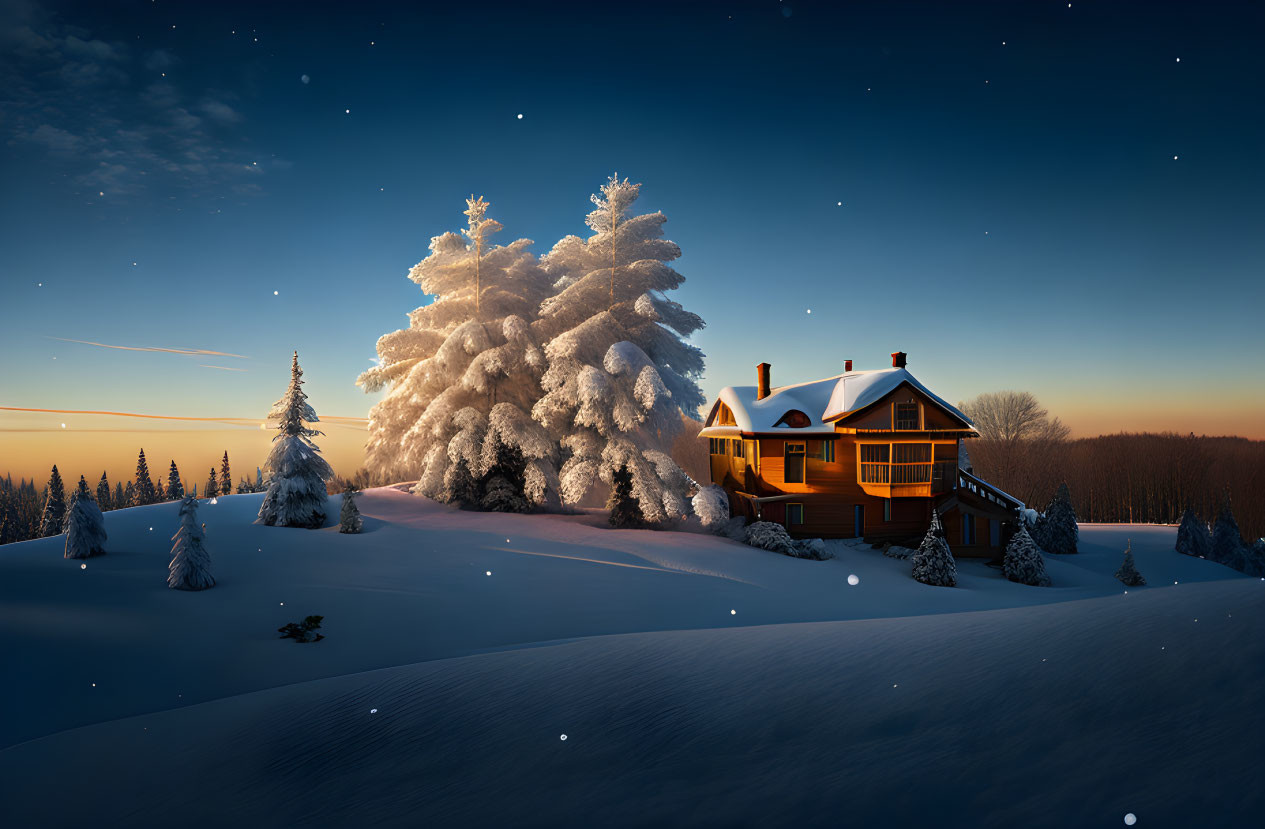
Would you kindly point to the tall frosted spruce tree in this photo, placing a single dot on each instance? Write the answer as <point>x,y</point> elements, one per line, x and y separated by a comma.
<point>85,525</point>
<point>296,471</point>
<point>462,378</point>
<point>620,373</point>
<point>144,492</point>
<point>175,489</point>
<point>54,506</point>
<point>190,567</point>
<point>103,493</point>
<point>226,477</point>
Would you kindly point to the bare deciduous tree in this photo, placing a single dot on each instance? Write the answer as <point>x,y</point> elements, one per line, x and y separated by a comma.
<point>1019,445</point>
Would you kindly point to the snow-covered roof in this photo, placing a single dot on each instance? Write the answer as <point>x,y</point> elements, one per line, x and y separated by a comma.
<point>823,401</point>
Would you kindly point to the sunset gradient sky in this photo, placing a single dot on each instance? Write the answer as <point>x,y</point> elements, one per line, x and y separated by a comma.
<point>1020,195</point>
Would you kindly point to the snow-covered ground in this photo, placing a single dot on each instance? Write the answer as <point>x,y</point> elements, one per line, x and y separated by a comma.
<point>698,681</point>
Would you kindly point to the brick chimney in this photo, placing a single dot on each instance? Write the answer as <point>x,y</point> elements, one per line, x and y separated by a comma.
<point>898,359</point>
<point>762,381</point>
<point>847,365</point>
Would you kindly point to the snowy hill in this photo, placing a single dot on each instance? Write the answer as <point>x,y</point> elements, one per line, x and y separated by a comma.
<point>699,681</point>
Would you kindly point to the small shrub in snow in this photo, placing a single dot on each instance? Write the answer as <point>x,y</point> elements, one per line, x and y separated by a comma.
<point>625,511</point>
<point>711,505</point>
<point>772,537</point>
<point>1023,563</point>
<point>1192,536</point>
<point>304,631</point>
<point>1030,519</point>
<point>349,520</point>
<point>1128,572</point>
<point>85,526</point>
<point>813,548</point>
<point>933,563</point>
<point>190,567</point>
<point>1056,531</point>
<point>896,551</point>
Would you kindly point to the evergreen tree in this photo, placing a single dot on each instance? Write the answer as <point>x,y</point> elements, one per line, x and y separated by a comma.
<point>1227,544</point>
<point>212,488</point>
<point>1057,531</point>
<point>1128,572</point>
<point>620,373</point>
<point>933,563</point>
<point>129,495</point>
<point>349,520</point>
<point>259,480</point>
<point>1256,558</point>
<point>504,482</point>
<point>1022,562</point>
<point>85,526</point>
<point>54,506</point>
<point>472,348</point>
<point>1192,536</point>
<point>190,567</point>
<point>175,487</point>
<point>144,492</point>
<point>624,510</point>
<point>117,501</point>
<point>160,494</point>
<point>296,472</point>
<point>226,478</point>
<point>103,493</point>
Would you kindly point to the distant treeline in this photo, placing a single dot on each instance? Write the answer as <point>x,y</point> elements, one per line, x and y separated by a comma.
<point>1143,478</point>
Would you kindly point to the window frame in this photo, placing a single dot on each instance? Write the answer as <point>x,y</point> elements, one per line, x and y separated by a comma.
<point>788,521</point>
<point>896,418</point>
<point>801,455</point>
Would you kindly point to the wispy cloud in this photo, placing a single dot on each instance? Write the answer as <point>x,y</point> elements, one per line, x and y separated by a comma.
<point>221,368</point>
<point>236,421</point>
<point>201,351</point>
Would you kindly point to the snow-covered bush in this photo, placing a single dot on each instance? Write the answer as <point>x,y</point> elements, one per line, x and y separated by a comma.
<point>772,537</point>
<point>349,520</point>
<point>304,631</point>
<point>1022,562</point>
<point>1057,531</point>
<point>813,548</point>
<point>1030,518</point>
<point>1227,545</point>
<point>896,551</point>
<point>85,525</point>
<point>1128,572</point>
<point>711,505</point>
<point>190,567</point>
<point>296,472</point>
<point>933,563</point>
<point>1192,536</point>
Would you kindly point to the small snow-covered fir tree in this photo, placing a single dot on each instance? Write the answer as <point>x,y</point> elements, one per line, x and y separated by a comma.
<point>54,516</point>
<point>144,492</point>
<point>212,487</point>
<point>160,494</point>
<point>349,520</point>
<point>226,477</point>
<point>129,495</point>
<point>620,372</point>
<point>296,471</point>
<point>85,525</point>
<point>103,493</point>
<point>711,505</point>
<point>473,348</point>
<point>1192,536</point>
<point>175,487</point>
<point>1128,572</point>
<point>116,502</point>
<point>933,563</point>
<point>1057,531</point>
<point>1022,562</point>
<point>1227,543</point>
<point>625,511</point>
<point>190,567</point>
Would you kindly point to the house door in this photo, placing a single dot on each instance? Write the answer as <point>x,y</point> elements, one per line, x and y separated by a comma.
<point>994,532</point>
<point>858,520</point>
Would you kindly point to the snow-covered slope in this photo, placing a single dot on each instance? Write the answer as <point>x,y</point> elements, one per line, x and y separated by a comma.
<point>698,715</point>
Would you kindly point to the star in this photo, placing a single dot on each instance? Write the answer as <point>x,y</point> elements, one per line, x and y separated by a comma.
<point>348,111</point>
<point>520,116</point>
<point>276,293</point>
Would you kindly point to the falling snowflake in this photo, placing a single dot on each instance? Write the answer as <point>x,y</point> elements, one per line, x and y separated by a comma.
<point>520,116</point>
<point>373,710</point>
<point>853,580</point>
<point>305,79</point>
<point>1130,819</point>
<point>489,572</point>
<point>564,738</point>
<point>276,293</point>
<point>733,613</point>
<point>83,567</point>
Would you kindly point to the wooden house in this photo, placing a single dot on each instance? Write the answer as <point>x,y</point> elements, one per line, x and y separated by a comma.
<point>862,454</point>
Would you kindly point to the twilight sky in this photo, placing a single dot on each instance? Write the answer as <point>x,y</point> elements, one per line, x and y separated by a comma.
<point>1063,199</point>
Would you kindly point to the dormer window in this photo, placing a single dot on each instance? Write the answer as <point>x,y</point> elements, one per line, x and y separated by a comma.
<point>795,419</point>
<point>906,417</point>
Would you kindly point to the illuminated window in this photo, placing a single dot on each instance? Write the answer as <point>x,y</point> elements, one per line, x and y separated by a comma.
<point>794,458</point>
<point>907,416</point>
<point>822,450</point>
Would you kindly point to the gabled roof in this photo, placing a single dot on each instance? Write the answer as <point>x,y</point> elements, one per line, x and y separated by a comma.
<point>824,401</point>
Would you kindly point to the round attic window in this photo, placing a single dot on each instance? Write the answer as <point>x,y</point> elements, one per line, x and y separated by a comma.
<point>794,419</point>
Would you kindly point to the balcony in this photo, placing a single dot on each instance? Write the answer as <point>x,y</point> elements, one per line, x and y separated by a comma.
<point>906,480</point>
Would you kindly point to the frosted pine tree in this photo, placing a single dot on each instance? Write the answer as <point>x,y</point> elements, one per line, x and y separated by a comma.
<point>212,487</point>
<point>160,494</point>
<point>144,492</point>
<point>349,520</point>
<point>103,493</point>
<point>175,488</point>
<point>85,525</point>
<point>129,495</point>
<point>1128,572</point>
<point>1057,531</point>
<point>711,505</point>
<point>296,471</point>
<point>1023,562</point>
<point>54,506</point>
<point>117,502</point>
<point>226,478</point>
<point>471,348</point>
<point>933,563</point>
<point>190,567</point>
<point>620,374</point>
<point>1227,543</point>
